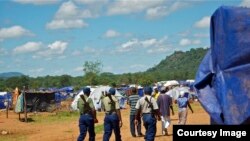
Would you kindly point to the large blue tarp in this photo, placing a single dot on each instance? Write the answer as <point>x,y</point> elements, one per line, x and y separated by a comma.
<point>223,78</point>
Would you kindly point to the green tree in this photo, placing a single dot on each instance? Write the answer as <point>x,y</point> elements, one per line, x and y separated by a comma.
<point>65,80</point>
<point>91,70</point>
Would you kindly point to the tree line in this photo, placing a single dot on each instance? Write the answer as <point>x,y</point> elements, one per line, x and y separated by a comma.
<point>178,66</point>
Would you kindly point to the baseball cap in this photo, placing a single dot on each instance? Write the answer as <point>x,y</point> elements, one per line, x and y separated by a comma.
<point>112,91</point>
<point>148,90</point>
<point>86,90</point>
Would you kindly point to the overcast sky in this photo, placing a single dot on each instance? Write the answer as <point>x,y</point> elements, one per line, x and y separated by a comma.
<point>55,37</point>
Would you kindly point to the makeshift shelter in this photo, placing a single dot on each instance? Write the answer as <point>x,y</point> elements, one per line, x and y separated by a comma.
<point>223,80</point>
<point>40,101</point>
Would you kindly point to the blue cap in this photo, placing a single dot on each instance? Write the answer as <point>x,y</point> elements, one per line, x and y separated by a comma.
<point>148,90</point>
<point>86,90</point>
<point>112,91</point>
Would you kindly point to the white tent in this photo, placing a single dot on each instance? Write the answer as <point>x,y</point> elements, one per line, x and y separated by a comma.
<point>171,83</point>
<point>95,95</point>
<point>74,103</point>
<point>175,92</point>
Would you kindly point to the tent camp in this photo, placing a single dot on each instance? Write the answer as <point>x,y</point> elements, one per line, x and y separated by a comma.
<point>95,95</point>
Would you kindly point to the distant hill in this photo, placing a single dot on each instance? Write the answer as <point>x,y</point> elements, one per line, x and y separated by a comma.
<point>10,74</point>
<point>180,64</point>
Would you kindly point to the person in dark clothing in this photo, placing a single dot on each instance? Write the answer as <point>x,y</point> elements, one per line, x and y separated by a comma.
<point>132,100</point>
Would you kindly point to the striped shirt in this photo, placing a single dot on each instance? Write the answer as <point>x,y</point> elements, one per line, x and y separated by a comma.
<point>132,102</point>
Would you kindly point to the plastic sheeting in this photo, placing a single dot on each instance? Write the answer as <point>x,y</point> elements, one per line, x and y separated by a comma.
<point>5,99</point>
<point>223,78</point>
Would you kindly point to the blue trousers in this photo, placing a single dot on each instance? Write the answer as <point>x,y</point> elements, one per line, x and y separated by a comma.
<point>132,125</point>
<point>111,122</point>
<point>86,123</point>
<point>149,123</point>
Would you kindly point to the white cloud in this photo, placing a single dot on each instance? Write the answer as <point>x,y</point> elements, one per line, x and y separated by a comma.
<point>14,32</point>
<point>68,10</point>
<point>157,12</point>
<point>66,24</point>
<point>1,62</point>
<point>133,6</point>
<point>157,50</point>
<point>69,16</point>
<point>201,35</point>
<point>164,10</point>
<point>38,70</point>
<point>88,2</point>
<point>56,48</point>
<point>152,45</point>
<point>186,42</point>
<point>149,42</point>
<point>28,47</point>
<point>245,3</point>
<point>203,23</point>
<point>111,34</point>
<point>125,47</point>
<point>78,69</point>
<point>196,42</point>
<point>37,2</point>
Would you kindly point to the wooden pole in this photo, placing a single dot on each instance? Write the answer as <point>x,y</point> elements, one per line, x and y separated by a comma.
<point>25,104</point>
<point>7,108</point>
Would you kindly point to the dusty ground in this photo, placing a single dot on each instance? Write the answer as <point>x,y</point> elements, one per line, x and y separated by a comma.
<point>68,130</point>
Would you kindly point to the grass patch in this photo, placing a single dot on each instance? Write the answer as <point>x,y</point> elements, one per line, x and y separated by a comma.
<point>61,116</point>
<point>99,128</point>
<point>13,137</point>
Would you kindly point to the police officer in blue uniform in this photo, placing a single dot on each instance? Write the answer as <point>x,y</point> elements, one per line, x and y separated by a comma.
<point>112,120</point>
<point>147,106</point>
<point>87,116</point>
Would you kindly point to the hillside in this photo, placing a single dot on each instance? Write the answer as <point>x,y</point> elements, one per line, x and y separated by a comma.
<point>10,74</point>
<point>180,64</point>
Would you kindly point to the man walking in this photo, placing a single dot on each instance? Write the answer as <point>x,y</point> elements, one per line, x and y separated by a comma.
<point>112,120</point>
<point>165,103</point>
<point>132,100</point>
<point>87,116</point>
<point>183,103</point>
<point>148,107</point>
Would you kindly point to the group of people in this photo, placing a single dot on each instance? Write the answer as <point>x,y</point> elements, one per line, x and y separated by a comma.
<point>148,109</point>
<point>87,120</point>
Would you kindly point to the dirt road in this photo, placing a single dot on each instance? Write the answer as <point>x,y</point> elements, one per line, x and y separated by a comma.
<point>68,129</point>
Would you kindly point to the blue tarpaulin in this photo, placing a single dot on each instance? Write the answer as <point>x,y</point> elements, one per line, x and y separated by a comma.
<point>223,78</point>
<point>5,97</point>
